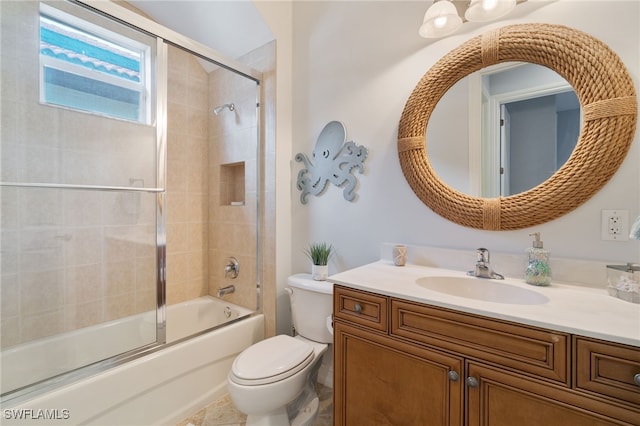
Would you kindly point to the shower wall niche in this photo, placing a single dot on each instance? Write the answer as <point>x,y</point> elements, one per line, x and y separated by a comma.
<point>232,190</point>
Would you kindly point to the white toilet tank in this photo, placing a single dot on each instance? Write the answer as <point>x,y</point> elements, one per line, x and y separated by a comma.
<point>311,304</point>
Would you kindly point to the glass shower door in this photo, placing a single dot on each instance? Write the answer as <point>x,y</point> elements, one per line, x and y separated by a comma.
<point>79,191</point>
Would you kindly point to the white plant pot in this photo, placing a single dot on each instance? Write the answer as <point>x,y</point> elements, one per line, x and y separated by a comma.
<point>319,272</point>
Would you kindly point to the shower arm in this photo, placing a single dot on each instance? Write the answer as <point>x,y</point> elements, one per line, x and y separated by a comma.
<point>230,106</point>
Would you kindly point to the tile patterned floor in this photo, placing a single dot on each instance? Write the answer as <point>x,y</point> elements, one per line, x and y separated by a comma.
<point>223,413</point>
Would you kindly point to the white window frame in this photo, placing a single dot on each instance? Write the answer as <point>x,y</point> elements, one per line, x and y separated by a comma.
<point>143,87</point>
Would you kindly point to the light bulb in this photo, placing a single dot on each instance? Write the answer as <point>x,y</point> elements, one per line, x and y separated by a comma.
<point>440,21</point>
<point>489,4</point>
<point>488,10</point>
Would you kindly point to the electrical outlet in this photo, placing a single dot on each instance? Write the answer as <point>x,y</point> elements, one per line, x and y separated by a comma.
<point>615,225</point>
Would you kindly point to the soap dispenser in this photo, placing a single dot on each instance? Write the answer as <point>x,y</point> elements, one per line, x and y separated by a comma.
<point>538,271</point>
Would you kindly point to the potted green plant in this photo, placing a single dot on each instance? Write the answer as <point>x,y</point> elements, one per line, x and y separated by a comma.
<point>319,253</point>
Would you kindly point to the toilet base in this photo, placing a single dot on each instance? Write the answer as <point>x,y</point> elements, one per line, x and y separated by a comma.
<point>305,417</point>
<point>275,418</point>
<point>307,414</point>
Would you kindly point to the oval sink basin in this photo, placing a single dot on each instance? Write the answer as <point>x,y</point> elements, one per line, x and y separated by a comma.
<point>482,289</point>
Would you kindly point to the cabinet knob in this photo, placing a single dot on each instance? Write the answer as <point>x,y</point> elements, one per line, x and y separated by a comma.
<point>357,308</point>
<point>453,376</point>
<point>636,379</point>
<point>472,382</point>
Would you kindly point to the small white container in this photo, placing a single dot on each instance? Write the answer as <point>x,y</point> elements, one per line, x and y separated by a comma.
<point>623,282</point>
<point>399,254</point>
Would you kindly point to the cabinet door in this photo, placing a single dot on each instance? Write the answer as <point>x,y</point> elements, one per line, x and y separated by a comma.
<point>499,398</point>
<point>380,381</point>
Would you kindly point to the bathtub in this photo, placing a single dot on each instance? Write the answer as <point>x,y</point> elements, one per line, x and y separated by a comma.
<point>162,387</point>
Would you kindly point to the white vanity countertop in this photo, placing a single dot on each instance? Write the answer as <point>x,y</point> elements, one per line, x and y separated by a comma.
<point>571,309</point>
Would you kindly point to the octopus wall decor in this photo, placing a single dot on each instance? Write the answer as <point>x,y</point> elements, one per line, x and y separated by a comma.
<point>333,160</point>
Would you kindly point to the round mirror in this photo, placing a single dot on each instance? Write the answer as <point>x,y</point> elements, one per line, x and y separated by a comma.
<point>516,125</point>
<point>608,109</point>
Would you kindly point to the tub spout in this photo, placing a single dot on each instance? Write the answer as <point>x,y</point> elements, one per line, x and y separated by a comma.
<point>226,290</point>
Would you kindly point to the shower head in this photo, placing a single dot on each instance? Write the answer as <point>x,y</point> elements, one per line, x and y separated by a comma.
<point>217,110</point>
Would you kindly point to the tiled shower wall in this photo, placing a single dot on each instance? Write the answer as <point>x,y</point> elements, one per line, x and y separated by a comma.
<point>69,258</point>
<point>233,179</point>
<point>211,162</point>
<point>187,179</point>
<point>197,248</point>
<point>233,164</point>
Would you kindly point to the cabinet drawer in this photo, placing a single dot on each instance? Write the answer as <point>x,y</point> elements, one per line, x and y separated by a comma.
<point>359,307</point>
<point>539,352</point>
<point>607,369</point>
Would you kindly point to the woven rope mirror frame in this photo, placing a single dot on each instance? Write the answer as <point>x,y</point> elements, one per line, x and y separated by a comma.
<point>609,110</point>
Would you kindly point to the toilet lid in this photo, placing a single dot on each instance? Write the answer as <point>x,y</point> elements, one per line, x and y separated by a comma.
<point>271,360</point>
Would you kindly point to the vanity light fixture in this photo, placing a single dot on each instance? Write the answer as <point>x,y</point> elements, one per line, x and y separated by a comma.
<point>444,17</point>
<point>440,20</point>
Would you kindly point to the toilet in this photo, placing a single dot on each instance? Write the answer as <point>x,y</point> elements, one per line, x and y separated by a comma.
<point>273,381</point>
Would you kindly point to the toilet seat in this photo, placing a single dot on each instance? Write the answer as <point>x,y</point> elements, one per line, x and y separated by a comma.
<point>271,360</point>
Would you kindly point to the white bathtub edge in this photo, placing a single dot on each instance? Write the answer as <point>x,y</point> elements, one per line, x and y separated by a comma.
<point>182,413</point>
<point>161,388</point>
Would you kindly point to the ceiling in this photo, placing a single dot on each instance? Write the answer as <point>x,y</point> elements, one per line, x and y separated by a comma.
<point>231,27</point>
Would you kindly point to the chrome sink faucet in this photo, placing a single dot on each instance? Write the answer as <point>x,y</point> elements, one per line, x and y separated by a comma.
<point>483,266</point>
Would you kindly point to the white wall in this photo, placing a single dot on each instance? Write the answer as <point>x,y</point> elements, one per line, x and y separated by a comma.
<point>357,62</point>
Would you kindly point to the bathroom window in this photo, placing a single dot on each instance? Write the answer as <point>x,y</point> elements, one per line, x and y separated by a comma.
<point>89,68</point>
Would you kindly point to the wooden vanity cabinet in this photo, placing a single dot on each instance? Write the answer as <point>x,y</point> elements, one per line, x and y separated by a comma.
<point>407,363</point>
<point>387,382</point>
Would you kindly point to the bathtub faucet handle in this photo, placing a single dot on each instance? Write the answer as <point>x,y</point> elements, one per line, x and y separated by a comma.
<point>232,268</point>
